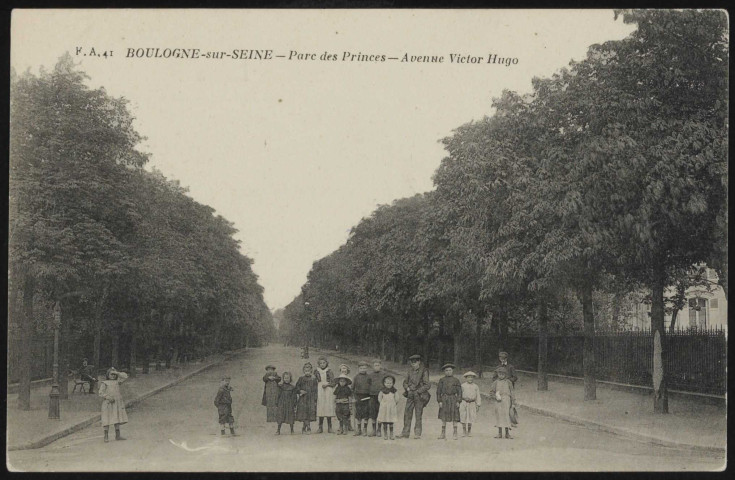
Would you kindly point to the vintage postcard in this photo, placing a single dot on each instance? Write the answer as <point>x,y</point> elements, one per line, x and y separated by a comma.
<point>368,240</point>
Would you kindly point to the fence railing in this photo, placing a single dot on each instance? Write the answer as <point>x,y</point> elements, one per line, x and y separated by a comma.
<point>696,359</point>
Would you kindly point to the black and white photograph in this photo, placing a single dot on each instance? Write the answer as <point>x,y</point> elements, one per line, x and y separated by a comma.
<point>367,240</point>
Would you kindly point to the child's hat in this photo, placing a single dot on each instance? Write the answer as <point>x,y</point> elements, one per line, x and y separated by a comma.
<point>503,354</point>
<point>448,365</point>
<point>349,381</point>
<point>470,374</point>
<point>347,367</point>
<point>415,357</point>
<point>362,363</point>
<point>270,366</point>
<point>308,364</point>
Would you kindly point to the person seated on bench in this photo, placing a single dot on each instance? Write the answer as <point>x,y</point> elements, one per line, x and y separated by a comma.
<point>86,374</point>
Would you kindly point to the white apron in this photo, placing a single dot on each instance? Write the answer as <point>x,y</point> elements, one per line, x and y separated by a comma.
<point>325,396</point>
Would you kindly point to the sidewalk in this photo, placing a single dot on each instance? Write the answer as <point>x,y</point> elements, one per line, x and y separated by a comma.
<point>690,424</point>
<point>33,429</point>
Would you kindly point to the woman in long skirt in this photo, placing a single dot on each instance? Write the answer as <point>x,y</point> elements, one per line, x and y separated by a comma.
<point>113,406</point>
<point>325,396</point>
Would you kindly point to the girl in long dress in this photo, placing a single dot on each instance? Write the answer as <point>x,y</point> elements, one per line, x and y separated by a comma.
<point>306,387</point>
<point>388,412</point>
<point>502,390</point>
<point>113,406</point>
<point>286,403</point>
<point>325,395</point>
<point>270,392</point>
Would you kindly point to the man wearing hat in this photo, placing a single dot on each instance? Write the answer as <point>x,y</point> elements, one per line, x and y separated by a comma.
<point>361,387</point>
<point>416,386</point>
<point>503,357</point>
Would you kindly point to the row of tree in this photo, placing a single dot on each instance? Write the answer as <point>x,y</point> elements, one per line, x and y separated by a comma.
<point>611,176</point>
<point>120,252</point>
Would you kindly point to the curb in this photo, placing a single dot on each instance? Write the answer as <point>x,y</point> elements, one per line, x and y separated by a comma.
<point>591,425</point>
<point>50,438</point>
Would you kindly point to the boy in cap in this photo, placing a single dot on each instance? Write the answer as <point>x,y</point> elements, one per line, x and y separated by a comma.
<point>342,393</point>
<point>270,393</point>
<point>471,401</point>
<point>376,384</point>
<point>416,387</point>
<point>223,402</point>
<point>448,394</point>
<point>511,371</point>
<point>361,389</point>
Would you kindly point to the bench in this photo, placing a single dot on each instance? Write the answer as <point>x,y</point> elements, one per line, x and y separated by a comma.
<point>83,385</point>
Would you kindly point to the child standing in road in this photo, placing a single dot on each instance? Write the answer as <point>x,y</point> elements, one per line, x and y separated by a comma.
<point>270,392</point>
<point>113,406</point>
<point>361,392</point>
<point>325,395</point>
<point>345,370</point>
<point>223,402</point>
<point>286,403</point>
<point>306,386</point>
<point>471,401</point>
<point>376,383</point>
<point>502,390</point>
<point>448,394</point>
<point>342,394</point>
<point>388,412</point>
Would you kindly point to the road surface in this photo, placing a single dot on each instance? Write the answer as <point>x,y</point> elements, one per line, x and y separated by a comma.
<point>177,430</point>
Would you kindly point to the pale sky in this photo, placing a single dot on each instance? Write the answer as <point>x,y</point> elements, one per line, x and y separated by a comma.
<point>295,153</point>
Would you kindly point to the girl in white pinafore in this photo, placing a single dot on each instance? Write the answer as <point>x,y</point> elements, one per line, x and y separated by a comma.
<point>388,411</point>
<point>325,401</point>
<point>113,406</point>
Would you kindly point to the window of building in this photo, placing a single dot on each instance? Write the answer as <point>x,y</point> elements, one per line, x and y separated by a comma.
<point>698,312</point>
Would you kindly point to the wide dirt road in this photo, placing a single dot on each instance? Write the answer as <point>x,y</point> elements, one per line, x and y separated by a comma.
<point>177,430</point>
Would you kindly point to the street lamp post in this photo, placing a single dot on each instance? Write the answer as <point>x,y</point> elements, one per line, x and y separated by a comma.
<point>54,410</point>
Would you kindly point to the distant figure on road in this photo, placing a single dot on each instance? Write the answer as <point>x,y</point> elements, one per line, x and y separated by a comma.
<point>502,390</point>
<point>223,402</point>
<point>86,374</point>
<point>270,393</point>
<point>416,390</point>
<point>306,386</point>
<point>286,403</point>
<point>325,397</point>
<point>511,375</point>
<point>113,406</point>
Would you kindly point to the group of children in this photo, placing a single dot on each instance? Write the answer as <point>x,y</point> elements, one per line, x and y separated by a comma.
<point>370,398</point>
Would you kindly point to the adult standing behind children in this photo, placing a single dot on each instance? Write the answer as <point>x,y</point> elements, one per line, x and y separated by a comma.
<point>416,387</point>
<point>376,385</point>
<point>511,371</point>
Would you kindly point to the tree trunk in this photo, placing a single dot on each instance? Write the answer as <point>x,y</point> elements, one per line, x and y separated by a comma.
<point>456,347</point>
<point>25,357</point>
<point>98,314</point>
<point>133,345</point>
<point>674,314</point>
<point>115,354</point>
<point>588,354</point>
<point>427,342</point>
<point>65,347</point>
<point>478,347</point>
<point>543,338</point>
<point>660,392</point>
